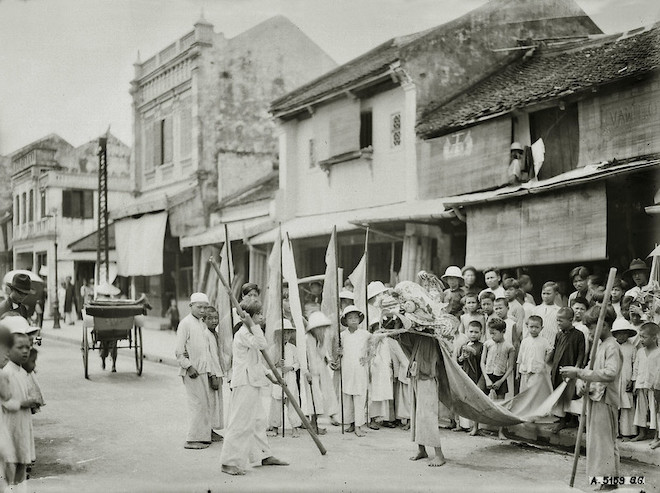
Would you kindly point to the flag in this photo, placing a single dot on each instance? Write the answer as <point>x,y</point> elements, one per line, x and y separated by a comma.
<point>290,276</point>
<point>359,280</point>
<point>274,293</point>
<point>225,309</point>
<point>329,301</point>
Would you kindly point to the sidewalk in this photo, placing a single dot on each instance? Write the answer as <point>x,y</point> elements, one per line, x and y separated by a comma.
<point>158,344</point>
<point>159,347</point>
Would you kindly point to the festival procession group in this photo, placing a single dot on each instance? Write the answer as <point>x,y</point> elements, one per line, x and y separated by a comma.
<point>439,352</point>
<point>419,355</point>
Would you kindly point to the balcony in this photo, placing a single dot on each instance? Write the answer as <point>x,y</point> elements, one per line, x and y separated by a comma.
<point>35,229</point>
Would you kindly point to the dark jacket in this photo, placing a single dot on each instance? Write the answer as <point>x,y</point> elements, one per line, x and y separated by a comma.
<point>7,306</point>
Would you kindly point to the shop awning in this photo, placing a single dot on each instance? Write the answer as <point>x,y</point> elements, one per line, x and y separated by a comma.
<point>237,231</point>
<point>322,224</point>
<point>139,244</point>
<point>90,242</point>
<point>569,225</point>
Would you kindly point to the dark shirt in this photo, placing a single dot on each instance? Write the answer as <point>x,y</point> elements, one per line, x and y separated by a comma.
<point>569,351</point>
<point>8,306</point>
<point>472,365</point>
<point>423,353</point>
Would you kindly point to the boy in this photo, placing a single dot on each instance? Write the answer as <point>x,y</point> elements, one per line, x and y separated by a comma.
<point>493,278</point>
<point>497,362</point>
<point>646,367</point>
<point>487,302</point>
<point>617,295</point>
<point>289,365</point>
<point>355,377</point>
<point>173,314</point>
<point>602,447</point>
<point>525,283</point>
<point>568,351</point>
<point>511,335</point>
<point>381,386</point>
<point>580,306</point>
<point>547,310</point>
<point>516,310</point>
<point>622,332</point>
<point>533,356</point>
<point>197,354</point>
<point>453,277</point>
<point>246,431</point>
<point>469,357</point>
<point>34,390</point>
<point>471,302</point>
<point>211,320</point>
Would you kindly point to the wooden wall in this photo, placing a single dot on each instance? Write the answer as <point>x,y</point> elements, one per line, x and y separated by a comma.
<point>469,160</point>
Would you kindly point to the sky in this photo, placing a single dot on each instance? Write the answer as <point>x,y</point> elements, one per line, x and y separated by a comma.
<point>66,65</point>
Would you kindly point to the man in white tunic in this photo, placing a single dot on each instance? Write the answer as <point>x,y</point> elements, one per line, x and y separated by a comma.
<point>197,355</point>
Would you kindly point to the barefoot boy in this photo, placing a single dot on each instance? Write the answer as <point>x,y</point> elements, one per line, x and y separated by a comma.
<point>646,367</point>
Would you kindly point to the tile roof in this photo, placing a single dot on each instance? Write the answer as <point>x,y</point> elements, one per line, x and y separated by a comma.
<point>263,189</point>
<point>549,74</point>
<point>493,15</point>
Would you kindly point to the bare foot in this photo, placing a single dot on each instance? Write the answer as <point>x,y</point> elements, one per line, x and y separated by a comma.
<point>501,435</point>
<point>273,461</point>
<point>474,432</point>
<point>437,462</point>
<point>457,428</point>
<point>334,422</point>
<point>272,432</point>
<point>420,455</point>
<point>350,429</point>
<point>406,427</point>
<point>639,438</point>
<point>233,470</point>
<point>295,433</point>
<point>654,444</point>
<point>359,431</point>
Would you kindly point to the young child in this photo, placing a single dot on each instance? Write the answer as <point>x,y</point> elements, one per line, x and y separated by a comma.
<point>568,351</point>
<point>646,366</point>
<point>525,283</point>
<point>197,354</point>
<point>533,356</point>
<point>18,410</point>
<point>516,310</point>
<point>497,362</point>
<point>211,320</point>
<point>528,308</point>
<point>6,446</point>
<point>580,306</point>
<point>454,279</point>
<point>579,276</point>
<point>471,307</point>
<point>602,447</point>
<point>512,336</point>
<point>469,357</point>
<point>173,314</point>
<point>656,393</point>
<point>547,310</point>
<point>487,302</point>
<point>381,387</point>
<point>622,332</point>
<point>288,365</point>
<point>320,389</point>
<point>34,390</point>
<point>618,288</point>
<point>492,278</point>
<point>355,376</point>
<point>246,431</point>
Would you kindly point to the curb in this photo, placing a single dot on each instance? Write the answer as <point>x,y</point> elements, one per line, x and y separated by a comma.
<point>146,356</point>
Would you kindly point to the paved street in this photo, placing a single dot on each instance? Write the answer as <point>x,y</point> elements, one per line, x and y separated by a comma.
<point>120,432</point>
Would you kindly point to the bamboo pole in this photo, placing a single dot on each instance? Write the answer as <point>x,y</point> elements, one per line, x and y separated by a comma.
<point>341,379</point>
<point>281,324</point>
<point>277,374</point>
<point>585,396</point>
<point>230,260</point>
<point>366,304</point>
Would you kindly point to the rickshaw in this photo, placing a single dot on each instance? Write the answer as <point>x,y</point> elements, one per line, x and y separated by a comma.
<point>109,322</point>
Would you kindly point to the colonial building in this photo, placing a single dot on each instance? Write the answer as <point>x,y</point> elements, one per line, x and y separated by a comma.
<point>589,113</point>
<point>349,152</point>
<point>54,187</point>
<point>202,133</point>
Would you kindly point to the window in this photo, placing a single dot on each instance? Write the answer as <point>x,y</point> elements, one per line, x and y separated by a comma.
<point>31,206</point>
<point>366,129</point>
<point>162,145</point>
<point>78,204</point>
<point>23,207</point>
<point>560,132</point>
<point>395,130</point>
<point>312,154</point>
<point>148,146</point>
<point>43,204</point>
<point>17,210</point>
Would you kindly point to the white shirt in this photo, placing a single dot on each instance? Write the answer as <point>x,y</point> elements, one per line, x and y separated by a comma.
<point>531,358</point>
<point>549,315</point>
<point>196,341</point>
<point>498,292</point>
<point>248,365</point>
<point>354,374</point>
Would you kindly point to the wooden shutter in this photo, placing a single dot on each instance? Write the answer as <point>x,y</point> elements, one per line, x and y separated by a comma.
<point>167,140</point>
<point>185,132</point>
<point>148,145</point>
<point>158,142</point>
<point>344,127</point>
<point>66,203</point>
<point>88,204</point>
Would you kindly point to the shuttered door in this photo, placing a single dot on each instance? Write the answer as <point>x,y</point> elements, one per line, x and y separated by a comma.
<point>554,227</point>
<point>344,127</point>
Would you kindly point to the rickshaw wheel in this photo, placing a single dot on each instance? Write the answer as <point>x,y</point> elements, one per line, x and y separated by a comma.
<point>85,352</point>
<point>138,350</point>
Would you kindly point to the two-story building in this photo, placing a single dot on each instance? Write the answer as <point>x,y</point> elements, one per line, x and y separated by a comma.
<point>55,194</point>
<point>202,134</point>
<point>348,145</point>
<point>589,114</point>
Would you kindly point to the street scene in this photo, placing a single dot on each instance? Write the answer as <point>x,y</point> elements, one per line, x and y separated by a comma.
<point>351,246</point>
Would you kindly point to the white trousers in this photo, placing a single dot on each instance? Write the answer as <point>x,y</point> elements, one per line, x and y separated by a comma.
<point>355,409</point>
<point>201,403</point>
<point>245,436</point>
